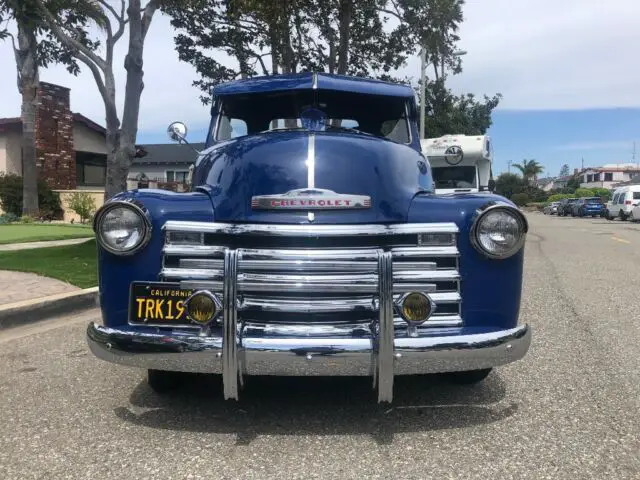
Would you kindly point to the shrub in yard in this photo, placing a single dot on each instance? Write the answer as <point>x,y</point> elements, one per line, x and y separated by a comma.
<point>8,218</point>
<point>27,219</point>
<point>520,199</point>
<point>11,198</point>
<point>559,196</point>
<point>83,204</point>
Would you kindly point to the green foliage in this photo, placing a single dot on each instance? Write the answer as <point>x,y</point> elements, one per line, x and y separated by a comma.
<point>556,197</point>
<point>574,183</point>
<point>520,199</point>
<point>11,198</point>
<point>447,113</point>
<point>584,192</point>
<point>508,184</point>
<point>564,170</point>
<point>83,204</point>
<point>27,219</point>
<point>7,218</point>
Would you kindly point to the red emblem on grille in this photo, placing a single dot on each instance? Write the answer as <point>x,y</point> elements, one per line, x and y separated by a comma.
<point>310,199</point>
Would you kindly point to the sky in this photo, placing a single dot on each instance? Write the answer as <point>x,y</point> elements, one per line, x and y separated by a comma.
<point>568,70</point>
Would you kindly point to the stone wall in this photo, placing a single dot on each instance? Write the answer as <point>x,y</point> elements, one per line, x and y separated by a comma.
<point>54,137</point>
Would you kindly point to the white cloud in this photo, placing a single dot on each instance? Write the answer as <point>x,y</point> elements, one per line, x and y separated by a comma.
<point>540,54</point>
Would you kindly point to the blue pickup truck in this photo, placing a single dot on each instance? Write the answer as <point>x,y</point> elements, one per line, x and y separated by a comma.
<point>311,243</point>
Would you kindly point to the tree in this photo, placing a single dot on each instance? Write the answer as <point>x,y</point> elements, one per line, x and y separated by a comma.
<point>529,169</point>
<point>120,134</point>
<point>508,184</point>
<point>36,47</point>
<point>564,170</point>
<point>447,113</point>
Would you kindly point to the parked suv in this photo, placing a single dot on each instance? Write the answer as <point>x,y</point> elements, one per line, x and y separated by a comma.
<point>566,204</point>
<point>591,206</point>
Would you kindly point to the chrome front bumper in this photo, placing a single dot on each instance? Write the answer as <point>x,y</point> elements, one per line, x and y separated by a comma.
<point>311,355</point>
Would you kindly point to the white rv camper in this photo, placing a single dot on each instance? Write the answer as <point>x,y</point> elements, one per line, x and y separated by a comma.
<point>460,163</point>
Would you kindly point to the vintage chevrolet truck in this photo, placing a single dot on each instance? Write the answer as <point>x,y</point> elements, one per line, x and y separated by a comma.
<point>311,244</point>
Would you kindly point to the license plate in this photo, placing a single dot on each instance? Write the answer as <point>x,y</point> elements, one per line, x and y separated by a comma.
<point>158,303</point>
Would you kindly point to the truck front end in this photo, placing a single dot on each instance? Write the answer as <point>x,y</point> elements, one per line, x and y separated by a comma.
<point>311,250</point>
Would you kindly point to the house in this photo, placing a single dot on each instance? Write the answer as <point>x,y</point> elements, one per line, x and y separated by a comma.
<point>548,184</point>
<point>608,176</point>
<point>72,154</point>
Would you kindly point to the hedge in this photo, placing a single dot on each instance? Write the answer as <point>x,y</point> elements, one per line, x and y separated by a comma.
<point>11,198</point>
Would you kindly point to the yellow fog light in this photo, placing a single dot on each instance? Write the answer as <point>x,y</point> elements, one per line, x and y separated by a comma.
<point>202,307</point>
<point>415,307</point>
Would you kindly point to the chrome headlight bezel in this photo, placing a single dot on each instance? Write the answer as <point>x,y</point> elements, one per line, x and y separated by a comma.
<point>144,216</point>
<point>492,207</point>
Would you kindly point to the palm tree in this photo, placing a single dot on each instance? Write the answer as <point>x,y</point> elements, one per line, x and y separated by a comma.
<point>529,169</point>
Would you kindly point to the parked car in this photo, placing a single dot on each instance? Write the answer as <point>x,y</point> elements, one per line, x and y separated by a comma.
<point>588,207</point>
<point>308,247</point>
<point>551,209</point>
<point>623,201</point>
<point>565,206</point>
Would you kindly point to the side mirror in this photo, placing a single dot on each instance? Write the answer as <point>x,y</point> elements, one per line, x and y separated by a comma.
<point>177,132</point>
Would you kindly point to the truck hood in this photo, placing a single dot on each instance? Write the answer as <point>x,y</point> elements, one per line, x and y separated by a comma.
<point>276,163</point>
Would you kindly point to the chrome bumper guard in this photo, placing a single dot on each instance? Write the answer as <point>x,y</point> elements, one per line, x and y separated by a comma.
<point>319,271</point>
<point>331,355</point>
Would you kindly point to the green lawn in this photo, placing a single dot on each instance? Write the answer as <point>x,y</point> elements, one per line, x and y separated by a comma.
<point>74,264</point>
<point>18,233</point>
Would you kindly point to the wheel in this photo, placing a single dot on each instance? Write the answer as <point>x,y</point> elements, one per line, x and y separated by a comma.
<point>622,216</point>
<point>469,377</point>
<point>162,381</point>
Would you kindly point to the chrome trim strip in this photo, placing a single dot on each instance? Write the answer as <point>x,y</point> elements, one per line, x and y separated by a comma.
<point>314,81</point>
<point>415,252</point>
<point>191,273</point>
<point>311,305</point>
<point>435,321</point>
<point>363,283</point>
<point>214,286</point>
<point>311,161</point>
<point>309,254</point>
<point>309,230</point>
<point>230,367</point>
<point>414,287</point>
<point>384,352</point>
<point>434,275</point>
<point>193,250</point>
<point>346,266</point>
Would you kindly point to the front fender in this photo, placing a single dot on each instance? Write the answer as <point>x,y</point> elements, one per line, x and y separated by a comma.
<point>115,273</point>
<point>491,289</point>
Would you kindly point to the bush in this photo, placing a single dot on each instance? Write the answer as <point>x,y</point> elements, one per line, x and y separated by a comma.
<point>11,198</point>
<point>83,204</point>
<point>556,197</point>
<point>6,218</point>
<point>520,199</point>
<point>27,219</point>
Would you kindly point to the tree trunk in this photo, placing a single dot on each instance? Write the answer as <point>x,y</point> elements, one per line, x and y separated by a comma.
<point>346,10</point>
<point>28,81</point>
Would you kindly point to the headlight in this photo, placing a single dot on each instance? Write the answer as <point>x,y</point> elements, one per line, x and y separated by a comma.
<point>499,231</point>
<point>122,228</point>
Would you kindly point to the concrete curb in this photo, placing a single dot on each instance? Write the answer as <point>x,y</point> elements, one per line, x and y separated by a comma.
<point>37,309</point>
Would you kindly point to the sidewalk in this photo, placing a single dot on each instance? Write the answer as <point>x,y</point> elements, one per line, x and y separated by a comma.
<point>54,243</point>
<point>19,286</point>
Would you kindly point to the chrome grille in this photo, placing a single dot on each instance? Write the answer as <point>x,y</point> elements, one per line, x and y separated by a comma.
<point>318,273</point>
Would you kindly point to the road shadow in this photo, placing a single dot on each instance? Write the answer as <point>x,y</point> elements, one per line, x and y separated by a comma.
<point>318,406</point>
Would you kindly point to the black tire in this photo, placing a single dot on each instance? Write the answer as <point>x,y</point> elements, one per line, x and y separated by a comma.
<point>469,377</point>
<point>622,215</point>
<point>162,381</point>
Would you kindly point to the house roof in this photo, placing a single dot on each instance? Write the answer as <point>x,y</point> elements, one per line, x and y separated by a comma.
<point>77,117</point>
<point>167,154</point>
<point>308,81</point>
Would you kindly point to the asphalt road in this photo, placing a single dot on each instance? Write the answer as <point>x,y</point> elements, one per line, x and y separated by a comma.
<point>569,410</point>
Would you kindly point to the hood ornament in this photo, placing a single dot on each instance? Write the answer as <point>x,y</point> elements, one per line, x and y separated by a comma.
<point>310,199</point>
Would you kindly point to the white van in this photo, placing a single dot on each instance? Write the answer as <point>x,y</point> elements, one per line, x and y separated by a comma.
<point>623,202</point>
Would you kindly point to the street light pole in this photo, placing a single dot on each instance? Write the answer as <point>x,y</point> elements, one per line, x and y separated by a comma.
<point>423,88</point>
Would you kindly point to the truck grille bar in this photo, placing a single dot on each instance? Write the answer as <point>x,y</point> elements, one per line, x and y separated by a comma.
<point>332,272</point>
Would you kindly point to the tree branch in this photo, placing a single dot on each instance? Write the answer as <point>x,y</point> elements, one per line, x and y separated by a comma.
<point>259,59</point>
<point>68,41</point>
<point>147,15</point>
<point>106,5</point>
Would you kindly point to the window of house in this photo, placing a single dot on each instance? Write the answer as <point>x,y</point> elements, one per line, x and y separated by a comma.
<point>91,169</point>
<point>608,177</point>
<point>589,178</point>
<point>177,176</point>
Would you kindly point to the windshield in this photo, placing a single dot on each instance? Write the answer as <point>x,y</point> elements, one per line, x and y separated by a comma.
<point>381,116</point>
<point>593,200</point>
<point>455,177</point>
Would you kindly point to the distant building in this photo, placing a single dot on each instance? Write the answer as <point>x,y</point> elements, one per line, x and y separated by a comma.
<point>608,176</point>
<point>551,183</point>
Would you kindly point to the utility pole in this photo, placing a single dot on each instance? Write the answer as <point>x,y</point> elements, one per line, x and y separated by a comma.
<point>423,88</point>
<point>509,166</point>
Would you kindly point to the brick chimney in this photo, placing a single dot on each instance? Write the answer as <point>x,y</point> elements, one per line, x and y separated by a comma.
<point>55,156</point>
